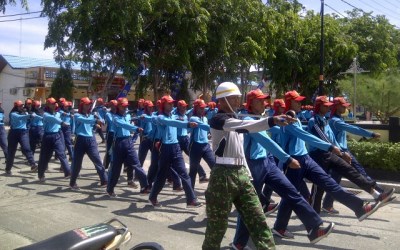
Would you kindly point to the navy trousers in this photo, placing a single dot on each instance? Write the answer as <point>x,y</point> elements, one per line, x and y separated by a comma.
<point>313,172</point>
<point>153,169</point>
<point>20,136</point>
<point>264,171</point>
<point>3,141</point>
<point>145,146</point>
<point>67,132</point>
<point>87,145</point>
<point>184,143</point>
<point>124,153</point>
<point>109,144</point>
<point>52,142</point>
<point>336,167</point>
<point>35,137</point>
<point>197,152</point>
<point>171,157</point>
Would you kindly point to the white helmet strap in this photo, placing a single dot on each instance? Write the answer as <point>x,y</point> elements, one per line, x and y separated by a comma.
<point>230,107</point>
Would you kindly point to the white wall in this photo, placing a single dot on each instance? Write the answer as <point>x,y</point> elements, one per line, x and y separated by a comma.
<point>11,78</point>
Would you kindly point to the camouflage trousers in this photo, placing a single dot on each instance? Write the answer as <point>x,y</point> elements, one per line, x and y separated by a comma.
<point>231,185</point>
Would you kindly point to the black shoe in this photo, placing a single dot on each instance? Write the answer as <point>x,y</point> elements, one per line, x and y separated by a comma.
<point>367,210</point>
<point>8,172</point>
<point>194,204</point>
<point>34,167</point>
<point>270,208</point>
<point>204,179</point>
<point>75,187</point>
<point>385,197</point>
<point>154,203</point>
<point>319,233</point>
<point>330,210</point>
<point>284,234</point>
<point>112,195</point>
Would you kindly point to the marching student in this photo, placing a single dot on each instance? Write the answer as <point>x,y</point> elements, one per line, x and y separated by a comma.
<point>52,140</point>
<point>124,152</point>
<point>258,146</point>
<point>110,132</point>
<point>3,134</point>
<point>86,143</point>
<point>340,129</point>
<point>146,143</point>
<point>183,138</point>
<point>100,110</point>
<point>171,155</point>
<point>293,139</point>
<point>199,147</point>
<point>318,126</point>
<point>67,117</point>
<point>18,134</point>
<point>36,127</point>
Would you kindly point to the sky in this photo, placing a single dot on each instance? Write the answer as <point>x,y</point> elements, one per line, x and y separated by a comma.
<point>26,37</point>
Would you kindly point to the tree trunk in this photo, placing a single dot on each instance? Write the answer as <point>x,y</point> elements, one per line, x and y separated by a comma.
<point>110,78</point>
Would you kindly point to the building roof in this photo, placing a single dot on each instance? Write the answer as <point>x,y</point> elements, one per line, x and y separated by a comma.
<point>19,62</point>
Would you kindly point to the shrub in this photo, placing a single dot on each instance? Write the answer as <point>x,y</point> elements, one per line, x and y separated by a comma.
<point>377,155</point>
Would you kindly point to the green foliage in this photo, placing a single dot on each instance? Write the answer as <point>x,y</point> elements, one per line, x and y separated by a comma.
<point>63,84</point>
<point>375,155</point>
<point>3,4</point>
<point>379,94</point>
<point>218,39</point>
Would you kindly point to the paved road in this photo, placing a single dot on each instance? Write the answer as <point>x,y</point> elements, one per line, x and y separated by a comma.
<point>30,212</point>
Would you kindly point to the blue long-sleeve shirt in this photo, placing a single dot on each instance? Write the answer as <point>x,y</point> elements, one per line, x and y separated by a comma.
<point>18,121</point>
<point>1,119</point>
<point>257,144</point>
<point>66,117</point>
<point>36,121</point>
<point>210,112</point>
<point>339,128</point>
<point>109,121</point>
<point>149,126</point>
<point>101,110</point>
<point>123,126</point>
<point>293,138</point>
<point>182,131</point>
<point>200,134</point>
<point>275,132</point>
<point>84,124</point>
<point>51,122</point>
<point>325,129</point>
<point>168,128</point>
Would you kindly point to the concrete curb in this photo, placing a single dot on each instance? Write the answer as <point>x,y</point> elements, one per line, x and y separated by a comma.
<point>386,185</point>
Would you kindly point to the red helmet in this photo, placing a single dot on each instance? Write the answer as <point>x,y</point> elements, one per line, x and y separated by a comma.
<point>148,103</point>
<point>100,100</point>
<point>86,100</point>
<point>51,100</point>
<point>113,103</point>
<point>18,103</point>
<point>123,102</point>
<point>182,103</point>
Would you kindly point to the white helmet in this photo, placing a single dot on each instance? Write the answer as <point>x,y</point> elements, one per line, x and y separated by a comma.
<point>227,89</point>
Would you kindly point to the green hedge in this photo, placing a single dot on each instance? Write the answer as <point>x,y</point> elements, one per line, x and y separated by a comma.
<point>377,155</point>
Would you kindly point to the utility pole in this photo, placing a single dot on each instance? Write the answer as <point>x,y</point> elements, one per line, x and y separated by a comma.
<point>321,53</point>
<point>355,69</point>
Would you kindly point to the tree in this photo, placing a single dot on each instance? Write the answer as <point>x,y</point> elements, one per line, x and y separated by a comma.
<point>172,31</point>
<point>63,84</point>
<point>377,40</point>
<point>379,94</point>
<point>102,35</point>
<point>3,4</point>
